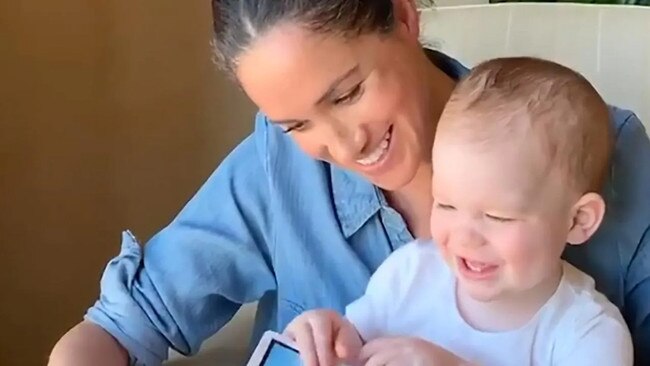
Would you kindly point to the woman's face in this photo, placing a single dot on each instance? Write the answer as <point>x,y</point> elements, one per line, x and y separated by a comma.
<point>361,103</point>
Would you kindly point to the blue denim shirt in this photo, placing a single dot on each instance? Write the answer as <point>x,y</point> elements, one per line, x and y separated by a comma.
<point>273,225</point>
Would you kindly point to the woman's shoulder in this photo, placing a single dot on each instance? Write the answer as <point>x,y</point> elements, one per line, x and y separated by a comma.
<point>288,170</point>
<point>628,189</point>
<point>277,149</point>
<point>625,119</point>
<point>263,162</point>
<point>283,160</point>
<point>267,152</point>
<point>609,253</point>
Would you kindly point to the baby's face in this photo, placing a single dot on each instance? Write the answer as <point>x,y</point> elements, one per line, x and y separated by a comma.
<point>500,216</point>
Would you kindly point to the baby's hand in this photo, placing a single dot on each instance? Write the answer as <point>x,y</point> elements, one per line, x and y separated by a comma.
<point>324,338</point>
<point>400,351</point>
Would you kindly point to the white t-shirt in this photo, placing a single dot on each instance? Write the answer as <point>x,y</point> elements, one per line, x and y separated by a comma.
<point>413,294</point>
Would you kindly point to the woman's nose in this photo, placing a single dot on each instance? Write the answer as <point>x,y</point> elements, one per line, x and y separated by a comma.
<point>347,142</point>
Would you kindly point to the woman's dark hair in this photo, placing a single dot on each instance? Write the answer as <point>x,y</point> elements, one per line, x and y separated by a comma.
<point>237,23</point>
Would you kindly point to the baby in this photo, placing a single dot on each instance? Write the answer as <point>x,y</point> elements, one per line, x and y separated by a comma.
<point>521,153</point>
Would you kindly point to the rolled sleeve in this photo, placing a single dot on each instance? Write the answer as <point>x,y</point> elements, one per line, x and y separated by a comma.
<point>119,313</point>
<point>192,277</point>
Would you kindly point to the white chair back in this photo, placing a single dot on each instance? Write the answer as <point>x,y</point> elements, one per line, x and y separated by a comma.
<point>608,44</point>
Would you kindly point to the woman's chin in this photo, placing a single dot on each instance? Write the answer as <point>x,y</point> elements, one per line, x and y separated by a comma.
<point>391,183</point>
<point>396,179</point>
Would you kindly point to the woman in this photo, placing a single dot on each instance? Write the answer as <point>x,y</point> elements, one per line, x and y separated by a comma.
<point>333,179</point>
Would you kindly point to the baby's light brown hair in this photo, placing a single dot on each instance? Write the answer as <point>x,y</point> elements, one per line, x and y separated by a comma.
<point>523,97</point>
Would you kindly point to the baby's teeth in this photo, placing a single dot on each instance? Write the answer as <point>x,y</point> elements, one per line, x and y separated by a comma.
<point>475,266</point>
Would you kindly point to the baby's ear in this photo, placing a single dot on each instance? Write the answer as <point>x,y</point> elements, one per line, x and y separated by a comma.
<point>588,213</point>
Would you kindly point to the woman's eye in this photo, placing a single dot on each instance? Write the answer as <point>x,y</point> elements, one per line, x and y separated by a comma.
<point>295,127</point>
<point>350,96</point>
<point>498,218</point>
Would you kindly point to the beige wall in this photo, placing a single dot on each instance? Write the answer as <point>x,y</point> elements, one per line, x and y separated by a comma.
<point>111,116</point>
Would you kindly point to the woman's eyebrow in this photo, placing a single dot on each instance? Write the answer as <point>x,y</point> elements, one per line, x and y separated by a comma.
<point>328,94</point>
<point>335,84</point>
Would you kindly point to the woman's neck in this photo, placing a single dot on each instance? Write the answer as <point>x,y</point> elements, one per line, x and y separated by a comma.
<point>413,201</point>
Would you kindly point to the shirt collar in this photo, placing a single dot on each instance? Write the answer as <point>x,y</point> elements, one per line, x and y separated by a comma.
<point>355,198</point>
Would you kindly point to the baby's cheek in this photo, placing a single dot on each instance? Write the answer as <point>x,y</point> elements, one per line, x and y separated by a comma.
<point>442,243</point>
<point>450,260</point>
<point>439,232</point>
<point>519,251</point>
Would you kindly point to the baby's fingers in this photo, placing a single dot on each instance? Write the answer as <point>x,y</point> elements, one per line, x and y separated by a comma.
<point>323,332</point>
<point>348,343</point>
<point>301,333</point>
